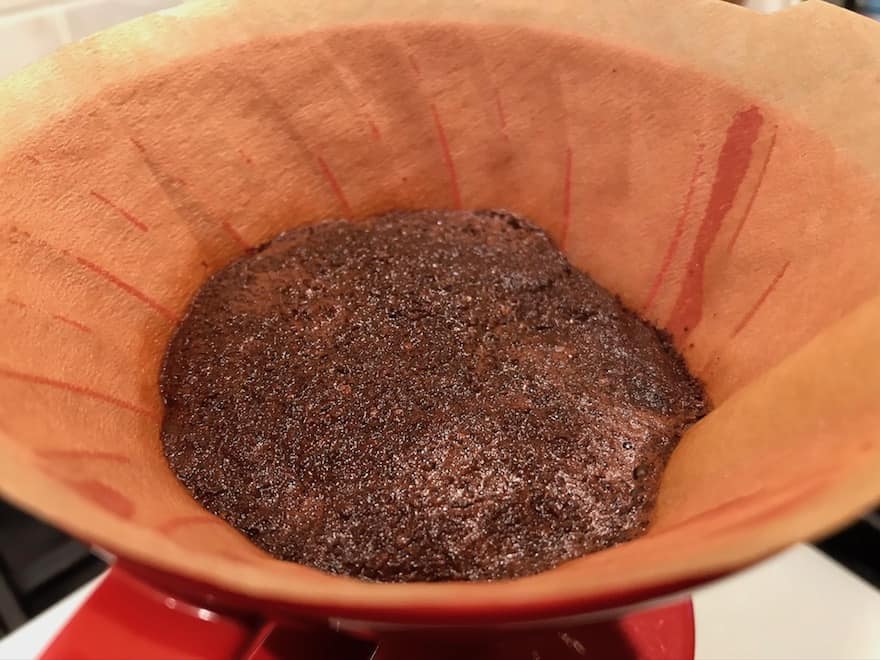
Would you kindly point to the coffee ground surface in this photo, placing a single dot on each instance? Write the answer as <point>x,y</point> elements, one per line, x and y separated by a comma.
<point>422,396</point>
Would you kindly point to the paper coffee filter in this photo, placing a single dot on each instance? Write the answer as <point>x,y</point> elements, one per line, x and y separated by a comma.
<point>667,147</point>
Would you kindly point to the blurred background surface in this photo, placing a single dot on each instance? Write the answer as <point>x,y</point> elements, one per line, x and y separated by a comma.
<point>31,29</point>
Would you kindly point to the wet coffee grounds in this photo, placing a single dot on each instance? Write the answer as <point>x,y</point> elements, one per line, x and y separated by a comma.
<point>422,396</point>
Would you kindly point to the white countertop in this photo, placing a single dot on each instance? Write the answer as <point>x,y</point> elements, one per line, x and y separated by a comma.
<point>799,605</point>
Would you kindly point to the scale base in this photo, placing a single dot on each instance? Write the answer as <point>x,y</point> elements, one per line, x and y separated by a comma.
<point>127,618</point>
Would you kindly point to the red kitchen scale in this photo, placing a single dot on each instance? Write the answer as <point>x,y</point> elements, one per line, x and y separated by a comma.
<point>125,617</point>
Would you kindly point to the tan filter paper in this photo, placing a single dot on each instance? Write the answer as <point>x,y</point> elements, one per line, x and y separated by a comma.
<point>716,168</point>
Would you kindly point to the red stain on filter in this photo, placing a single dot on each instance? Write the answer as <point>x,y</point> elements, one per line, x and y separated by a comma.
<point>755,192</point>
<point>334,185</point>
<point>72,323</point>
<point>733,164</point>
<point>81,454</point>
<point>133,220</point>
<point>414,64</point>
<point>245,157</point>
<point>99,493</point>
<point>566,196</point>
<point>76,389</point>
<point>446,152</point>
<point>374,129</point>
<point>235,235</point>
<point>750,314</point>
<point>502,115</point>
<point>128,288</point>
<point>678,231</point>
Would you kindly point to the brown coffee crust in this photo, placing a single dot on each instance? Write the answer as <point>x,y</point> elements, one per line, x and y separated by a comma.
<point>422,395</point>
